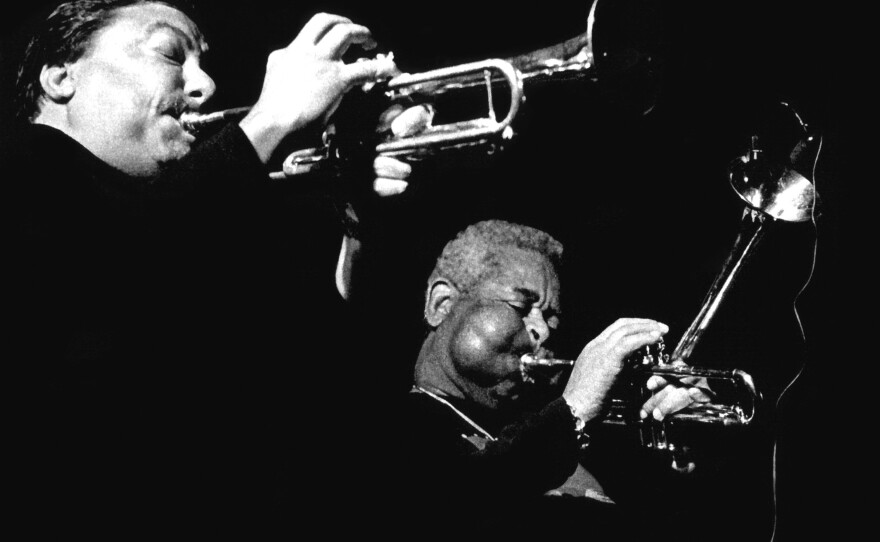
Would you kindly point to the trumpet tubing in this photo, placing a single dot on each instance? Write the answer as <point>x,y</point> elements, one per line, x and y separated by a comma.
<point>772,192</point>
<point>733,391</point>
<point>575,58</point>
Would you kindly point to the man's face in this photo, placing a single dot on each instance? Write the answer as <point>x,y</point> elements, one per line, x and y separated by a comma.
<point>139,74</point>
<point>492,326</point>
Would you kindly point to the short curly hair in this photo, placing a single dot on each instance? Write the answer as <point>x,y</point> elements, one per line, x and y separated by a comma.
<point>65,36</point>
<point>475,255</point>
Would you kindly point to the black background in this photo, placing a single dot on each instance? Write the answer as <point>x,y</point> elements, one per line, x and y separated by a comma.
<point>641,203</point>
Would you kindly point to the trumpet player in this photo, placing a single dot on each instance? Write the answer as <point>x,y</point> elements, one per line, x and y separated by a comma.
<point>471,451</point>
<point>141,269</point>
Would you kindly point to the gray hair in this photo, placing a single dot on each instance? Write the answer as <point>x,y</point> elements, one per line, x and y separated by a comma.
<point>475,254</point>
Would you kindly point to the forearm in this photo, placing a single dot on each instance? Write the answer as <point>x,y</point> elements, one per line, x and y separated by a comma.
<point>528,458</point>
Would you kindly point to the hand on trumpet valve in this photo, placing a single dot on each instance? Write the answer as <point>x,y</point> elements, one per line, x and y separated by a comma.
<point>306,80</point>
<point>602,360</point>
<point>670,394</point>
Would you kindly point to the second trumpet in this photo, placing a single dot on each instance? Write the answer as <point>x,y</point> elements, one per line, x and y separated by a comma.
<point>503,80</point>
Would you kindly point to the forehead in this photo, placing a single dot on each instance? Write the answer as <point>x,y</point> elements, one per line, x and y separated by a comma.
<point>138,22</point>
<point>525,270</point>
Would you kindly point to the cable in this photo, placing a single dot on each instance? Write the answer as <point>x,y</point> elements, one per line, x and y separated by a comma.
<point>797,316</point>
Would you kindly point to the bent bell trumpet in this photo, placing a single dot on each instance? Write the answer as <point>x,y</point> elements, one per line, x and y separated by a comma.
<point>773,190</point>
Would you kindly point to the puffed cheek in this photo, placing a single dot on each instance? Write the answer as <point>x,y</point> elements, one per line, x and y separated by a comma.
<point>485,332</point>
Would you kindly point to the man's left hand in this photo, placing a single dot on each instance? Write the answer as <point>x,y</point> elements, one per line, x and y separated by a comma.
<point>391,173</point>
<point>670,395</point>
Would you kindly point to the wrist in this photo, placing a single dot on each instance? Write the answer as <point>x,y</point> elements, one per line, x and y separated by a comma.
<point>582,405</point>
<point>580,425</point>
<point>264,133</point>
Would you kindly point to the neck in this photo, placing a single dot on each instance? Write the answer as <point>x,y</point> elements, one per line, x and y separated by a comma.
<point>430,370</point>
<point>51,115</point>
<point>57,117</point>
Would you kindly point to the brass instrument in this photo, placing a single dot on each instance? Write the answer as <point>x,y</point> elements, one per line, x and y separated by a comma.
<point>576,58</point>
<point>773,191</point>
<point>733,393</point>
<point>732,397</point>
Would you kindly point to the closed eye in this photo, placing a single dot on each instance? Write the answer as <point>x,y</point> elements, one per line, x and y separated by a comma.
<point>521,308</point>
<point>175,56</point>
<point>169,41</point>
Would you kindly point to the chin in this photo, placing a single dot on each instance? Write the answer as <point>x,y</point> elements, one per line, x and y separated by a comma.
<point>505,396</point>
<point>171,154</point>
<point>175,150</point>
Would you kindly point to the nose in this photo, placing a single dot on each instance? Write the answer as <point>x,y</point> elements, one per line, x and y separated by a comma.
<point>198,86</point>
<point>537,327</point>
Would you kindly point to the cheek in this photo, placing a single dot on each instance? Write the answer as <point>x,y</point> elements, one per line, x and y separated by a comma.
<point>141,88</point>
<point>124,111</point>
<point>484,334</point>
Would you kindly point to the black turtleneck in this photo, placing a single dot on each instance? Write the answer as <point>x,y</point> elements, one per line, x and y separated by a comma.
<point>148,361</point>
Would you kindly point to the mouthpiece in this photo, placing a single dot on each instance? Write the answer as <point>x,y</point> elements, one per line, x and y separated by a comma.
<point>528,360</point>
<point>535,369</point>
<point>195,121</point>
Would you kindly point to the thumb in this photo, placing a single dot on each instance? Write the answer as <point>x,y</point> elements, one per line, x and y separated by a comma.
<point>384,186</point>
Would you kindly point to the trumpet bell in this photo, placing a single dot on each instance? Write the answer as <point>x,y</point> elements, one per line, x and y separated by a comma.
<point>772,187</point>
<point>780,191</point>
<point>620,55</point>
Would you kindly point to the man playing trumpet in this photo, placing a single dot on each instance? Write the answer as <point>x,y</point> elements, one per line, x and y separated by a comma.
<point>146,277</point>
<point>474,447</point>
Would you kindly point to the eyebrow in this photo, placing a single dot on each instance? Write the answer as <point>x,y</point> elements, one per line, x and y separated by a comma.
<point>162,25</point>
<point>532,296</point>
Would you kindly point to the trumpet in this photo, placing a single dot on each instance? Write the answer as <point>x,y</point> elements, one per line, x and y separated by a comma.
<point>578,58</point>
<point>733,393</point>
<point>473,132</point>
<point>773,191</point>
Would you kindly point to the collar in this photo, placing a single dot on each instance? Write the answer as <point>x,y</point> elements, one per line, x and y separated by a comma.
<point>438,396</point>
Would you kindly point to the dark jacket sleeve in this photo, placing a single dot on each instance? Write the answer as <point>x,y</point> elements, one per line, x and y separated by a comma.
<point>541,446</point>
<point>444,471</point>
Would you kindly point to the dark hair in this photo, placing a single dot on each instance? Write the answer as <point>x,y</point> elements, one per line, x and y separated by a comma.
<point>64,36</point>
<point>475,253</point>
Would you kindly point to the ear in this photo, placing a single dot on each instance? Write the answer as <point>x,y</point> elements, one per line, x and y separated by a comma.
<point>57,83</point>
<point>439,300</point>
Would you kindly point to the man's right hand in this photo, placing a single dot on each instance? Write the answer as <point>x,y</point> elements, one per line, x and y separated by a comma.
<point>306,80</point>
<point>598,365</point>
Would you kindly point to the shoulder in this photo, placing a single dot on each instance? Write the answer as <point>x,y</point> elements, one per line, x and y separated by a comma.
<point>46,161</point>
<point>423,411</point>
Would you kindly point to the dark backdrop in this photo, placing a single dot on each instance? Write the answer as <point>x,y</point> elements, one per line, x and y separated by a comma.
<point>641,202</point>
